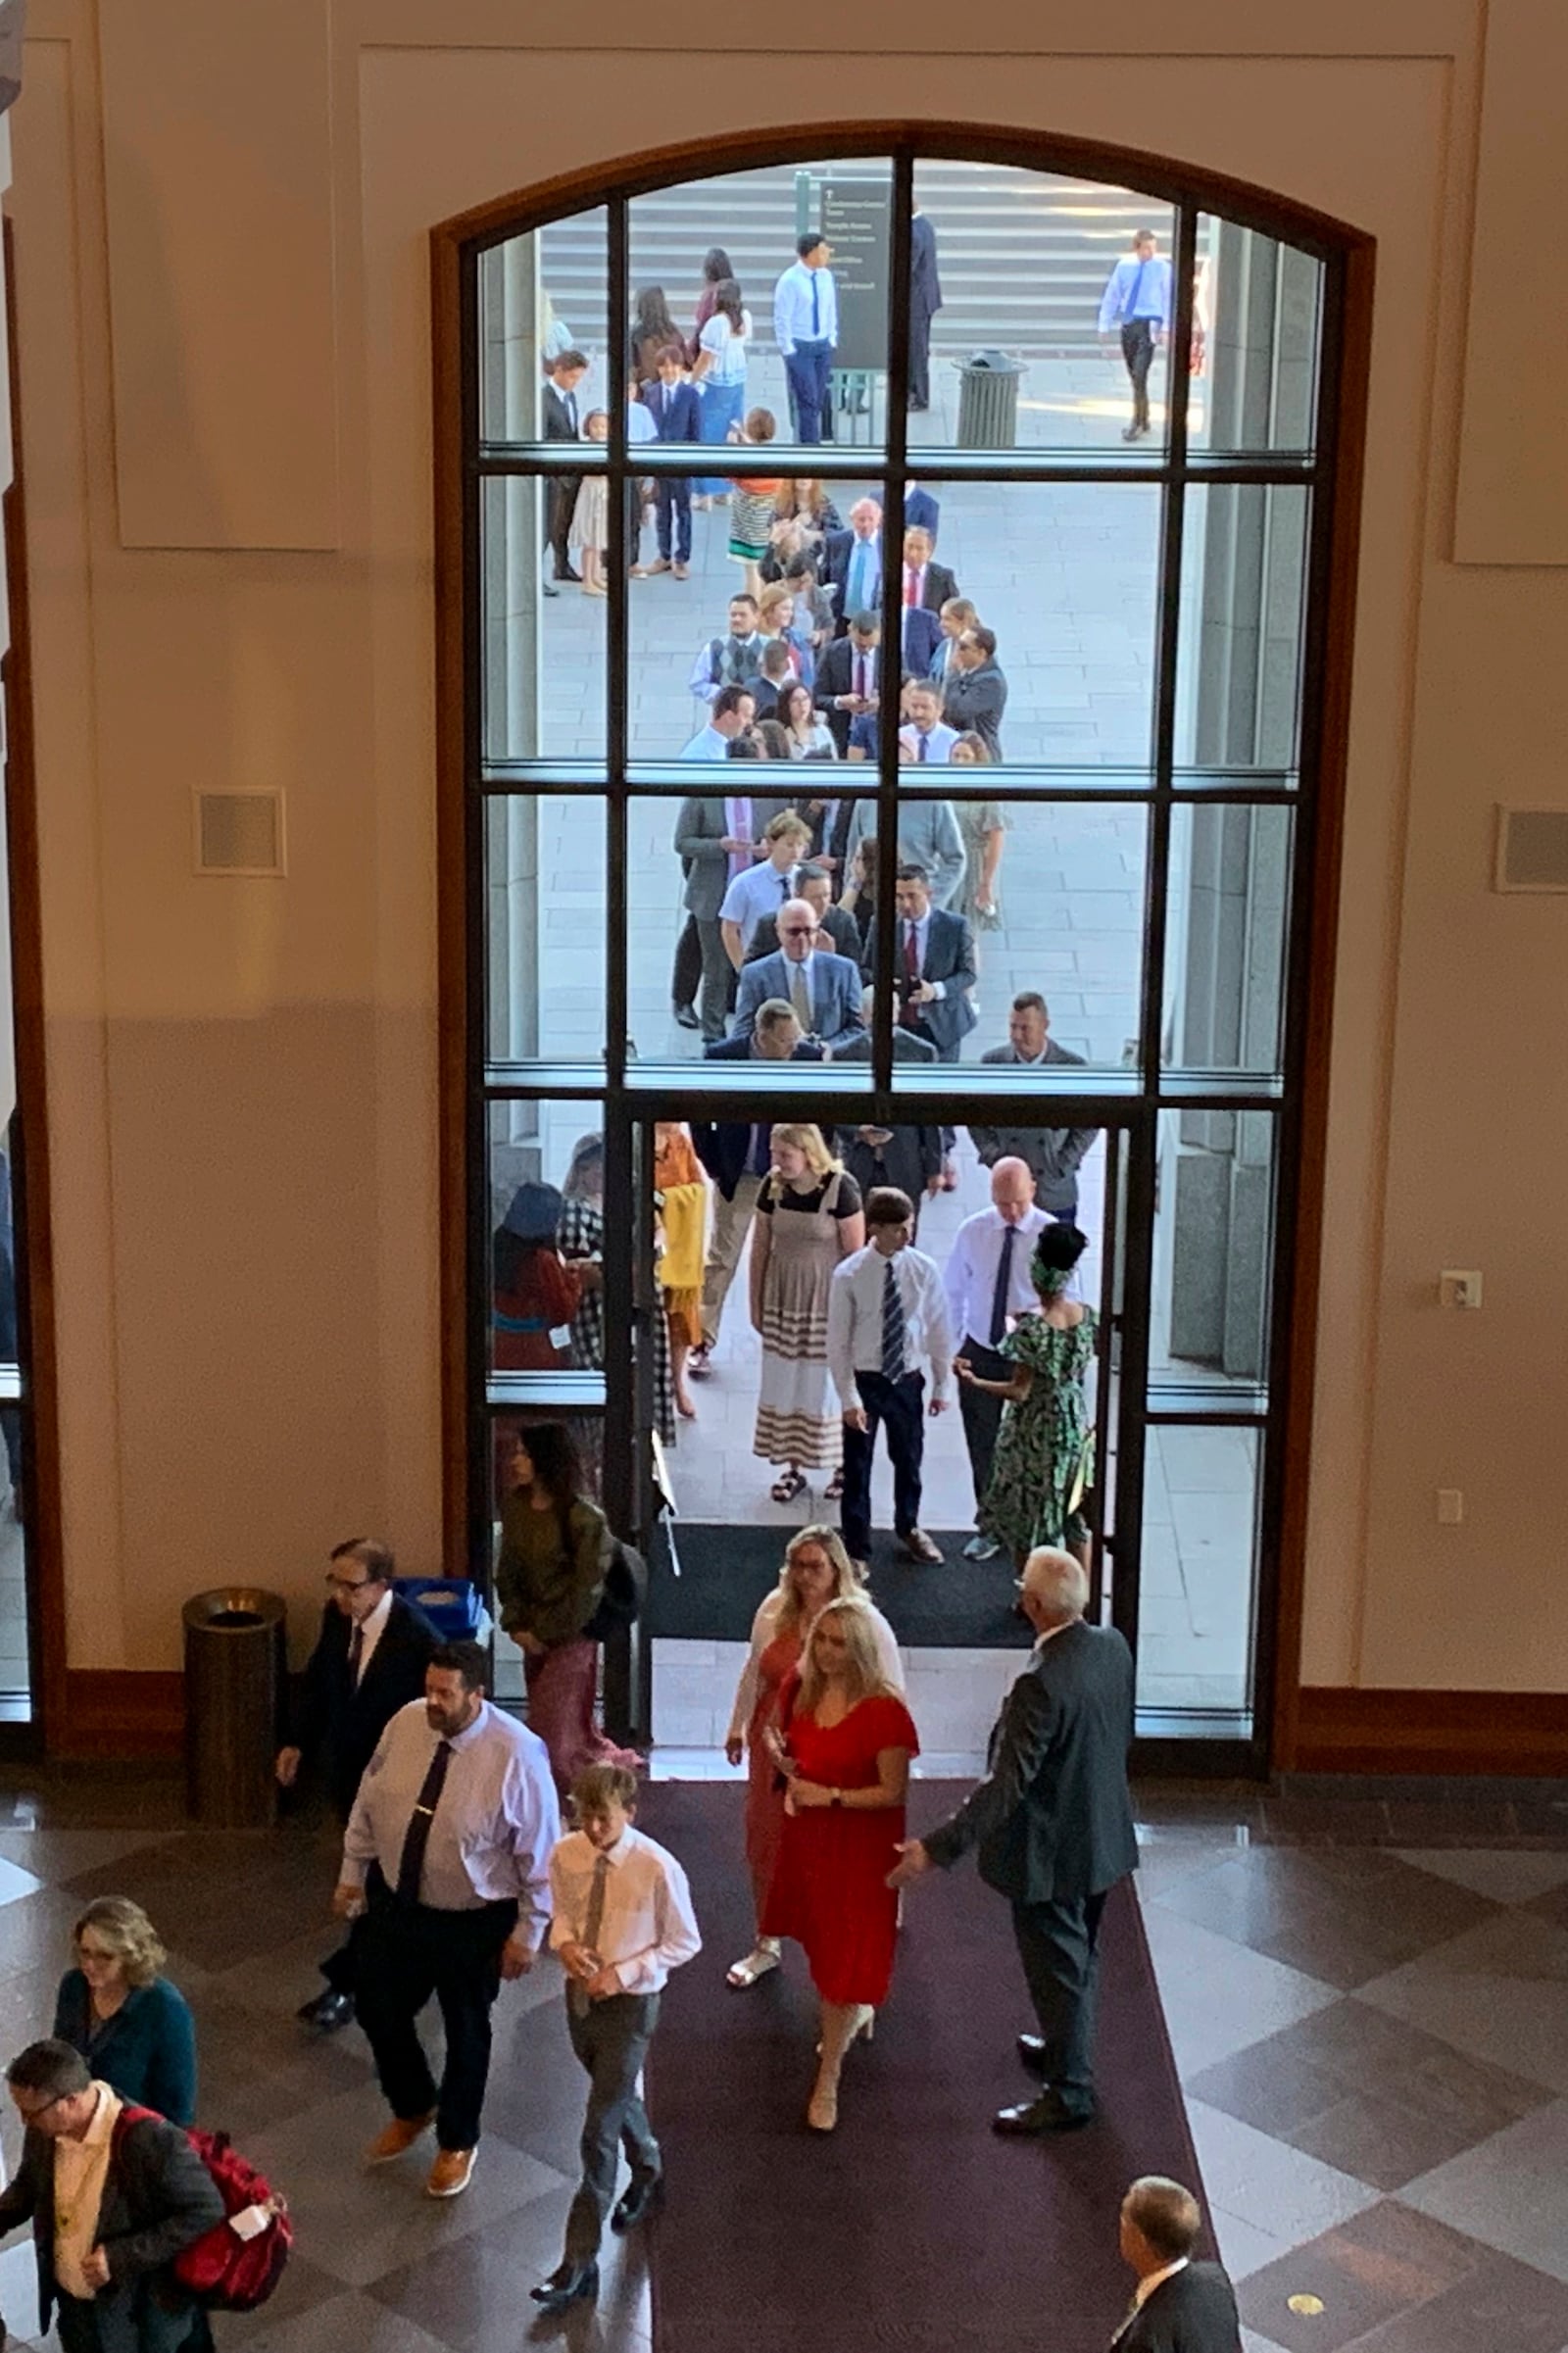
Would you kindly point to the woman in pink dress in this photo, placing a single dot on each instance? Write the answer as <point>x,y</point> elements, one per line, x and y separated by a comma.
<point>816,1570</point>
<point>844,1740</point>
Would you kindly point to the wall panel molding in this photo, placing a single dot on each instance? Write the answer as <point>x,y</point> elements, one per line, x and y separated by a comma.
<point>1514,1733</point>
<point>118,1712</point>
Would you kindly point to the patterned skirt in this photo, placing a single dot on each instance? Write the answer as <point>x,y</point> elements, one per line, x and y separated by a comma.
<point>798,1416</point>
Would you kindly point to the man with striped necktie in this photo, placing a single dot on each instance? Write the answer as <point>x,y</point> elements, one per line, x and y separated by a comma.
<point>886,1311</point>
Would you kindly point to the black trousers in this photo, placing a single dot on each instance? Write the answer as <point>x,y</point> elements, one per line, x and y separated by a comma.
<point>899,1409</point>
<point>610,2038</point>
<point>920,358</point>
<point>1138,351</point>
<point>342,1969</point>
<point>982,1414</point>
<point>1058,1944</point>
<point>562,499</point>
<point>410,1952</point>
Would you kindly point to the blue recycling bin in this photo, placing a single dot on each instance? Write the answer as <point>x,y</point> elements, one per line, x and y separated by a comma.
<point>451,1603</point>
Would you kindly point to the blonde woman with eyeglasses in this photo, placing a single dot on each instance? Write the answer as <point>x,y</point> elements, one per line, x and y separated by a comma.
<point>809,1217</point>
<point>131,2024</point>
<point>842,1743</point>
<point>816,1570</point>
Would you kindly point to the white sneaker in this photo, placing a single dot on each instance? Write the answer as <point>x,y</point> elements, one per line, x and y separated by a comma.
<point>981,1548</point>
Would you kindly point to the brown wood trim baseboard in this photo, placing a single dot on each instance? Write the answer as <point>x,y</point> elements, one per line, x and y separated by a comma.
<point>116,1711</point>
<point>1515,1733</point>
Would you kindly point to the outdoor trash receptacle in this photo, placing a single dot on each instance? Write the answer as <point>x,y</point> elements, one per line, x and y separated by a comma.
<point>988,402</point>
<point>235,1662</point>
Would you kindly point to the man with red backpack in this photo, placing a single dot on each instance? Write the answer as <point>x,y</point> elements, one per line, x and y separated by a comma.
<point>112,2203</point>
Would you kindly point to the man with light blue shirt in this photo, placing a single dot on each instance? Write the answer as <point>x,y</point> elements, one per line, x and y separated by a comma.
<point>1137,299</point>
<point>734,709</point>
<point>928,741</point>
<point>805,325</point>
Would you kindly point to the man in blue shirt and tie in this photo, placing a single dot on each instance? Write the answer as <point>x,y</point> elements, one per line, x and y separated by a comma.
<point>1137,299</point>
<point>805,324</point>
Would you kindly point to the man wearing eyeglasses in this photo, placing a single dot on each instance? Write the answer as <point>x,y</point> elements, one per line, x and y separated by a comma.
<point>369,1661</point>
<point>822,990</point>
<point>110,2206</point>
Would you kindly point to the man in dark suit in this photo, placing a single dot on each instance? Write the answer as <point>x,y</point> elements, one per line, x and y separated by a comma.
<point>105,2265</point>
<point>974,691</point>
<point>1052,1155</point>
<point>1053,1826</point>
<point>933,965</point>
<point>925,300</point>
<point>852,563</point>
<point>913,1159</point>
<point>1181,2306</point>
<point>924,581</point>
<point>735,1154</point>
<point>559,408</point>
<point>369,1661</point>
<point>675,411</point>
<point>848,678</point>
<point>839,929</point>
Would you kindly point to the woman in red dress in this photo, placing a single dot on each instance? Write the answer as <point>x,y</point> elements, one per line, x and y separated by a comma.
<point>844,1742</point>
<point>816,1570</point>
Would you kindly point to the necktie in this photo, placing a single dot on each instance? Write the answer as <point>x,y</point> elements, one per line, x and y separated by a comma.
<point>571,408</point>
<point>593,1921</point>
<point>911,955</point>
<point>911,587</point>
<point>998,1297</point>
<point>1137,288</point>
<point>816,309</point>
<point>920,742</point>
<point>800,997</point>
<point>860,677</point>
<point>857,578</point>
<point>416,1837</point>
<point>356,1655</point>
<point>892,1327</point>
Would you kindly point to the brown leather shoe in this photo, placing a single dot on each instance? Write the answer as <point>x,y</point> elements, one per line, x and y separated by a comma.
<point>921,1546</point>
<point>399,2137</point>
<point>450,2174</point>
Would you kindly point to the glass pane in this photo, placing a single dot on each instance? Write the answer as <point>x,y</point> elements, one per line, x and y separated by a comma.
<point>588,1437</point>
<point>1038,274</point>
<point>1209,1323</point>
<point>807,348</point>
<point>1051,896</point>
<point>1064,578</point>
<point>1226,910</point>
<point>544,644</point>
<point>1244,600</point>
<point>1256,306</point>
<point>542,296</point>
<point>1198,1575</point>
<point>544,928</point>
<point>545,1238</point>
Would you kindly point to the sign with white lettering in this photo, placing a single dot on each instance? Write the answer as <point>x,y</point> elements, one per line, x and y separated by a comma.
<point>857,222</point>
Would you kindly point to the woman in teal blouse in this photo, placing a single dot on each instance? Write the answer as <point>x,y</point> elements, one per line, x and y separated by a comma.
<point>131,2024</point>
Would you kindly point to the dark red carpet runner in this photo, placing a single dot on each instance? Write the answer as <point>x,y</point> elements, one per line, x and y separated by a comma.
<point>912,2225</point>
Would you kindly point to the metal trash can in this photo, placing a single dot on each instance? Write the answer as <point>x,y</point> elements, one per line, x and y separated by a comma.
<point>236,1663</point>
<point>988,402</point>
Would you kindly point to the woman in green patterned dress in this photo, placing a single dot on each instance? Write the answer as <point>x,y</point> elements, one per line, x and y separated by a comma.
<point>1044,1463</point>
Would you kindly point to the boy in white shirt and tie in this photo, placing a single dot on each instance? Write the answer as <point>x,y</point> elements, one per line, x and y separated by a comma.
<point>622,1920</point>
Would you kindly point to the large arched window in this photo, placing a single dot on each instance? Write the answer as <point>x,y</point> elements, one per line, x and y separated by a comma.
<point>1064,487</point>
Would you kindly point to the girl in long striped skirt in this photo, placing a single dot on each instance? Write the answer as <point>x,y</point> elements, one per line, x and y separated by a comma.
<point>809,1216</point>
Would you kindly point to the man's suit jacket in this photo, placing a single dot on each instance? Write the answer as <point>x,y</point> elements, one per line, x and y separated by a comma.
<point>835,676</point>
<point>976,699</point>
<point>340,1722</point>
<point>1052,1821</point>
<point>921,511</point>
<point>700,825</point>
<point>158,2199</point>
<point>925,287</point>
<point>1192,2312</point>
<point>948,956</point>
<point>940,585</point>
<point>722,1146</point>
<point>675,411</point>
<point>838,923</point>
<point>838,554</point>
<point>906,1048</point>
<point>1053,1154</point>
<point>556,415</point>
<point>910,1157</point>
<point>922,634</point>
<point>836,987</point>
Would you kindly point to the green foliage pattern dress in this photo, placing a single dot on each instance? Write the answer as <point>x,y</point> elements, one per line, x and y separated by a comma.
<point>1044,1461</point>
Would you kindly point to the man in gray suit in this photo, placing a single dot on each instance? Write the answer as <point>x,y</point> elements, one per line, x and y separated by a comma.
<point>716,838</point>
<point>1053,1826</point>
<point>1054,1155</point>
<point>1182,2305</point>
<point>822,989</point>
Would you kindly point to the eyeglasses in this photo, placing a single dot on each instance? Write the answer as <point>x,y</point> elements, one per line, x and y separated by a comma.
<point>802,931</point>
<point>348,1585</point>
<point>31,2116</point>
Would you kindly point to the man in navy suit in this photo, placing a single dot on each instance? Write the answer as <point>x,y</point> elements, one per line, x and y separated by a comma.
<point>851,564</point>
<point>1181,2305</point>
<point>934,966</point>
<point>921,511</point>
<point>675,411</point>
<point>369,1661</point>
<point>557,408</point>
<point>735,1154</point>
<point>823,989</point>
<point>925,300</point>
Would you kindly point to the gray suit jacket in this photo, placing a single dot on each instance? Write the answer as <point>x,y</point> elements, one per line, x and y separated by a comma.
<point>700,827</point>
<point>1193,2312</point>
<point>1053,1152</point>
<point>1052,1821</point>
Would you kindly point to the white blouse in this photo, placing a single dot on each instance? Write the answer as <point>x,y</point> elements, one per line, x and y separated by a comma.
<point>764,1628</point>
<point>728,349</point>
<point>819,742</point>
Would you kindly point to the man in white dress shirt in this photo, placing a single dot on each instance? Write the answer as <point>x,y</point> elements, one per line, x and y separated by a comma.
<point>805,326</point>
<point>763,888</point>
<point>621,1921</point>
<point>448,1847</point>
<point>885,1312</point>
<point>734,709</point>
<point>927,738</point>
<point>986,1283</point>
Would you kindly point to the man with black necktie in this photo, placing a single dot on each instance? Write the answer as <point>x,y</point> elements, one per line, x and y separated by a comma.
<point>1179,2305</point>
<point>1135,304</point>
<point>447,1855</point>
<point>847,682</point>
<point>885,1312</point>
<point>558,409</point>
<point>369,1661</point>
<point>986,1283</point>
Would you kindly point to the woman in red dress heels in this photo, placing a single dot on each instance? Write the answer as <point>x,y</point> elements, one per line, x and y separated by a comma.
<point>844,1742</point>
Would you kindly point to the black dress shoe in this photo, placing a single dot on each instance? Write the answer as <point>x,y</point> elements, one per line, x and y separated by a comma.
<point>570,574</point>
<point>328,2012</point>
<point>1032,2052</point>
<point>644,2195</point>
<point>548,588</point>
<point>1044,2115</point>
<point>567,2285</point>
<point>687,1017</point>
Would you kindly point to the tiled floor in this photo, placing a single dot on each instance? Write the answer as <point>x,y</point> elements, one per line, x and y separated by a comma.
<point>1367,1996</point>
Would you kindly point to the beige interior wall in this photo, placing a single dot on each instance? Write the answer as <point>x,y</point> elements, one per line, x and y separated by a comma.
<point>243,1074</point>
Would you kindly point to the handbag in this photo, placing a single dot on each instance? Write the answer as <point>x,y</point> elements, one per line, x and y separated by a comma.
<point>621,1596</point>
